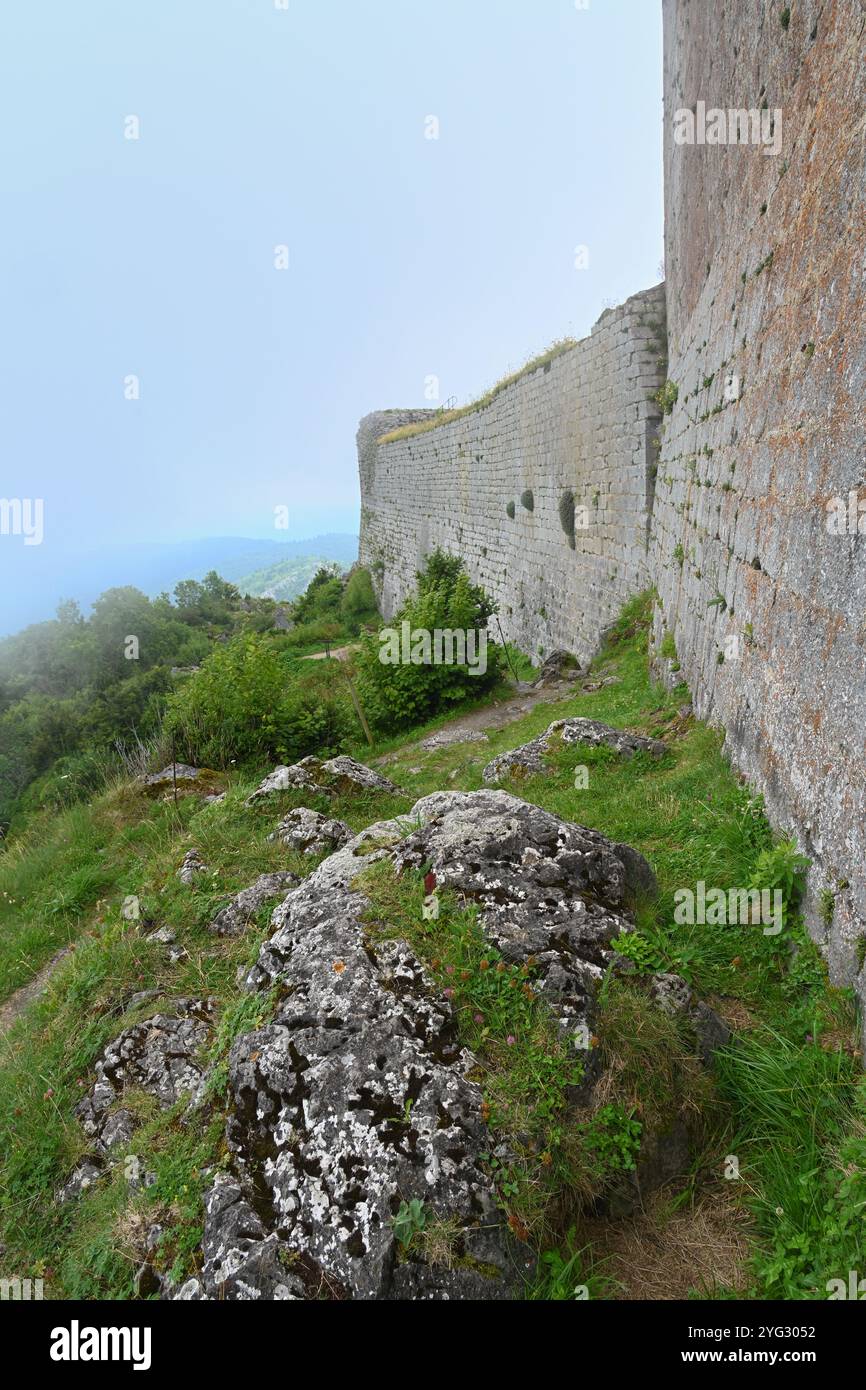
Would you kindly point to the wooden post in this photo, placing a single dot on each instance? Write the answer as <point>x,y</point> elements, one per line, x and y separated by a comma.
<point>357,703</point>
<point>505,649</point>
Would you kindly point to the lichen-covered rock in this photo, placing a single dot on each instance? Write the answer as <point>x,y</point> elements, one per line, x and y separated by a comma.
<point>674,996</point>
<point>193,865</point>
<point>236,915</point>
<point>341,774</point>
<point>309,832</point>
<point>187,781</point>
<point>241,1261</point>
<point>546,888</point>
<point>163,936</point>
<point>445,738</point>
<point>344,774</point>
<point>530,758</point>
<point>357,1096</point>
<point>558,666</point>
<point>183,772</point>
<point>158,1055</point>
<point>83,1176</point>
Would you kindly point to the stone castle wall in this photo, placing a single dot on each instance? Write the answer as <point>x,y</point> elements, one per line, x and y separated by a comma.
<point>583,423</point>
<point>764,300</point>
<point>765,258</point>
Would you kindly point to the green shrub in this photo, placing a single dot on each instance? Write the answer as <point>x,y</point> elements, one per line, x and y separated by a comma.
<point>322,598</point>
<point>245,705</point>
<point>527,500</point>
<point>400,694</point>
<point>358,604</point>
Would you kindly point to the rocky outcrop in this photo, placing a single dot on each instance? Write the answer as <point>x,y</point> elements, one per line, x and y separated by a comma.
<point>559,666</point>
<point>182,772</point>
<point>236,915</point>
<point>445,738</point>
<point>337,775</point>
<point>240,1260</point>
<point>184,780</point>
<point>193,865</point>
<point>358,1095</point>
<point>673,995</point>
<point>530,758</point>
<point>309,832</point>
<point>158,1055</point>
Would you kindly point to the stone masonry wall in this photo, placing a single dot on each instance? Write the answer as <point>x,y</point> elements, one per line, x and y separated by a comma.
<point>765,258</point>
<point>584,422</point>
<point>765,606</point>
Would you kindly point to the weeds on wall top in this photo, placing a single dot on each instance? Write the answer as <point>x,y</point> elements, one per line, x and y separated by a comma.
<point>445,417</point>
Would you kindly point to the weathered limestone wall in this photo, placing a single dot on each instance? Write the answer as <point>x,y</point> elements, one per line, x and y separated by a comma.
<point>765,258</point>
<point>766,261</point>
<point>585,422</point>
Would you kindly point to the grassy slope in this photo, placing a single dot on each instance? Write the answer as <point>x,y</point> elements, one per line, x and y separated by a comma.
<point>788,1100</point>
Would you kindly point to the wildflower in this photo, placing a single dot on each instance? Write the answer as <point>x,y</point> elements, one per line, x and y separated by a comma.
<point>484,965</point>
<point>429,882</point>
<point>478,1018</point>
<point>511,1040</point>
<point>448,993</point>
<point>518,1227</point>
<point>449,970</point>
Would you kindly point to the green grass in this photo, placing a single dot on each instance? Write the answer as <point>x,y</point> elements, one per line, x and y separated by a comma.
<point>786,1098</point>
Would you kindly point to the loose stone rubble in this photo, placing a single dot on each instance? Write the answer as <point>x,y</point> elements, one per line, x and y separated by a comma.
<point>529,759</point>
<point>309,832</point>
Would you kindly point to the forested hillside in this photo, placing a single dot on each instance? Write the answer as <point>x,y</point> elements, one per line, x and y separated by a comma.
<point>84,697</point>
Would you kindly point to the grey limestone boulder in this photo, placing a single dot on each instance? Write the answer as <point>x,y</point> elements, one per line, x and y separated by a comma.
<point>530,758</point>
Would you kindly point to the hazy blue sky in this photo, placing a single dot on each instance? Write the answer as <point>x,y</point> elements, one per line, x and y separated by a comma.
<point>304,126</point>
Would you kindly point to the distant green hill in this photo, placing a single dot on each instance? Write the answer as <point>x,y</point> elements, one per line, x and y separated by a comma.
<point>284,580</point>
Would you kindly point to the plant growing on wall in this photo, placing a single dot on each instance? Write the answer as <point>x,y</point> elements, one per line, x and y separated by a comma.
<point>566,515</point>
<point>510,509</point>
<point>527,500</point>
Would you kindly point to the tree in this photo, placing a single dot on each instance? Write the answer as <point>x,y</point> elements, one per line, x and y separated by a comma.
<point>399,692</point>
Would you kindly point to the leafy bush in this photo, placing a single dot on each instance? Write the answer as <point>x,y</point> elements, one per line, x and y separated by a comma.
<point>321,599</point>
<point>246,705</point>
<point>358,604</point>
<point>667,396</point>
<point>399,694</point>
